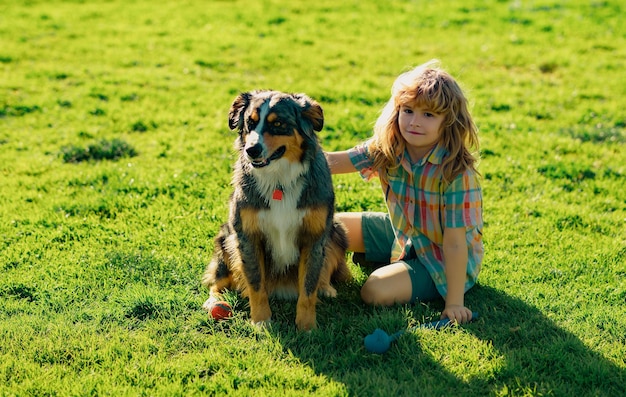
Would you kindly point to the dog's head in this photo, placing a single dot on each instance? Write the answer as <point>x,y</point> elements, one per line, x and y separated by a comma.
<point>274,125</point>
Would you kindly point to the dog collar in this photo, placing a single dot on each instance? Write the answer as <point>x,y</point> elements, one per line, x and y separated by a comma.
<point>277,194</point>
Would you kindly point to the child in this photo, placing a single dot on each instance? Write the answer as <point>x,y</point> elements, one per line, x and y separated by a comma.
<point>431,239</point>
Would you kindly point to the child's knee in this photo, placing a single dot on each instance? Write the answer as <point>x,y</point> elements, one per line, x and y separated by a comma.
<point>372,293</point>
<point>367,293</point>
<point>387,286</point>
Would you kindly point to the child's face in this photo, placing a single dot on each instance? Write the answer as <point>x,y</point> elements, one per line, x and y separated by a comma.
<point>420,128</point>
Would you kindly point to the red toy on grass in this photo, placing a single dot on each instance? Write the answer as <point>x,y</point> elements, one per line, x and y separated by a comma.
<point>219,310</point>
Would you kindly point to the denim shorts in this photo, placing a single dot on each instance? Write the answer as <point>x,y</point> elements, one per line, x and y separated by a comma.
<point>378,237</point>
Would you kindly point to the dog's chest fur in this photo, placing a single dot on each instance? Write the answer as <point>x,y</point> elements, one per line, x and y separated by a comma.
<point>280,225</point>
<point>281,222</point>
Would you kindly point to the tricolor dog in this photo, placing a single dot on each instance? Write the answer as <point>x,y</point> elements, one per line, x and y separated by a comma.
<point>280,238</point>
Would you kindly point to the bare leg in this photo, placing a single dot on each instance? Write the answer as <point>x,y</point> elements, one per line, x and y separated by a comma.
<point>388,285</point>
<point>352,222</point>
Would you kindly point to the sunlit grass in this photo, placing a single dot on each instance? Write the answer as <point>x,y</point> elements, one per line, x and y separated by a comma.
<point>115,164</point>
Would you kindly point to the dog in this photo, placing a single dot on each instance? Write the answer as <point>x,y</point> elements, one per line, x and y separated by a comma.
<point>281,238</point>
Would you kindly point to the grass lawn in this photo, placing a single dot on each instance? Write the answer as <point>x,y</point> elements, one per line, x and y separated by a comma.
<point>115,165</point>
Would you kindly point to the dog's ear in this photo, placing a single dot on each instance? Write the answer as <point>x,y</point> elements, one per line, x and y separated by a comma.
<point>311,110</point>
<point>235,115</point>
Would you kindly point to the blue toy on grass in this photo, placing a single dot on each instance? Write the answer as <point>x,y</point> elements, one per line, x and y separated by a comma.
<point>379,341</point>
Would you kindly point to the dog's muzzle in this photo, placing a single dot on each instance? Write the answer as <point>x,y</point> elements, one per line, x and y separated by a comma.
<point>255,155</point>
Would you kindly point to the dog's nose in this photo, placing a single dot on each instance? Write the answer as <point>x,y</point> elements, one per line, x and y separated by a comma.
<point>254,151</point>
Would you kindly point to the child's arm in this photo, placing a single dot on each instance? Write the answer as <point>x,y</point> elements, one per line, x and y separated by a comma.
<point>455,260</point>
<point>339,162</point>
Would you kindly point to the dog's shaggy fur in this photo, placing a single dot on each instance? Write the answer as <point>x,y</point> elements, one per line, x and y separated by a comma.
<point>280,238</point>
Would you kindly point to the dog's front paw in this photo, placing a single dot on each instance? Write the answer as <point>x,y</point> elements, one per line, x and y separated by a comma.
<point>306,323</point>
<point>305,312</point>
<point>260,315</point>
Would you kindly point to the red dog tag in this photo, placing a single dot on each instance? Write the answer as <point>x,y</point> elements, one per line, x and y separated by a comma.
<point>277,195</point>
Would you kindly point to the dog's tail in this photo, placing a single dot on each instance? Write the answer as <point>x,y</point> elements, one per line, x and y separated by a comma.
<point>336,252</point>
<point>217,275</point>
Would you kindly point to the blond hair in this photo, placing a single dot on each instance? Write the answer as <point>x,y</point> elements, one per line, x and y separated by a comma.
<point>429,86</point>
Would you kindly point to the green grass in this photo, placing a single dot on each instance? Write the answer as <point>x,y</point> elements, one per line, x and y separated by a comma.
<point>115,161</point>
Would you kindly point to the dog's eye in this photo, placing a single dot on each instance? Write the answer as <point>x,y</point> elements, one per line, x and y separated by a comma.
<point>278,124</point>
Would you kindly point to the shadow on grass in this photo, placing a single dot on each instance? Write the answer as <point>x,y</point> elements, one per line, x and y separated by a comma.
<point>525,353</point>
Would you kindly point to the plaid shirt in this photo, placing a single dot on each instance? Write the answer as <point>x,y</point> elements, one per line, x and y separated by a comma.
<point>421,204</point>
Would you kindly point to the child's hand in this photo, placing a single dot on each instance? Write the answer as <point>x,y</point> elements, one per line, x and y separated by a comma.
<point>457,313</point>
